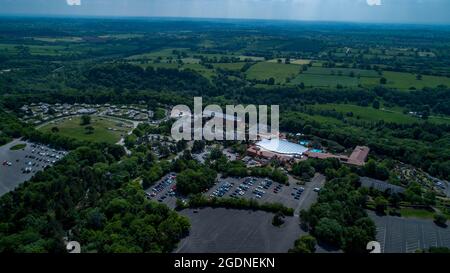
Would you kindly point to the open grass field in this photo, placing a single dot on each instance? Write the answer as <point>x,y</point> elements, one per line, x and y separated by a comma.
<point>229,66</point>
<point>124,36</point>
<point>416,213</point>
<point>50,50</point>
<point>253,58</point>
<point>266,70</point>
<point>292,61</point>
<point>160,65</point>
<point>341,72</point>
<point>314,76</point>
<point>368,113</point>
<point>163,53</point>
<point>205,72</point>
<point>317,76</point>
<point>405,81</point>
<point>58,39</point>
<point>301,61</point>
<point>190,60</point>
<point>371,114</point>
<point>70,127</point>
<point>314,80</point>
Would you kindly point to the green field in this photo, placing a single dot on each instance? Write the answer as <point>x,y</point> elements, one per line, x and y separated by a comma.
<point>50,50</point>
<point>58,39</point>
<point>70,127</point>
<point>404,81</point>
<point>266,70</point>
<point>316,76</point>
<point>163,53</point>
<point>229,66</point>
<point>193,56</point>
<point>190,60</point>
<point>372,114</point>
<point>122,36</point>
<point>416,213</point>
<point>161,65</point>
<point>313,80</point>
<point>205,72</point>
<point>341,72</point>
<point>253,58</point>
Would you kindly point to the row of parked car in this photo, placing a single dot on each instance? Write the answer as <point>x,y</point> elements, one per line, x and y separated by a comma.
<point>297,192</point>
<point>241,190</point>
<point>161,186</point>
<point>41,156</point>
<point>222,189</point>
<point>278,188</point>
<point>260,190</point>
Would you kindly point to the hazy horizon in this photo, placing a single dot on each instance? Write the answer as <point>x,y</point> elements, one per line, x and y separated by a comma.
<point>359,11</point>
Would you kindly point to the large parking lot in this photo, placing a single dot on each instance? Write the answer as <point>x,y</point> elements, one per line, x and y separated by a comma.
<point>18,166</point>
<point>265,190</point>
<point>406,235</point>
<point>237,231</point>
<point>262,189</point>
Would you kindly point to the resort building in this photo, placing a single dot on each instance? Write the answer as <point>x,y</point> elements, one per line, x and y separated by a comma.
<point>286,151</point>
<point>277,148</point>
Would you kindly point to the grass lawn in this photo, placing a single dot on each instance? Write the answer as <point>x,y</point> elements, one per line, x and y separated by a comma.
<point>163,53</point>
<point>122,36</point>
<point>371,114</point>
<point>161,65</point>
<point>229,66</point>
<point>266,70</point>
<point>439,119</point>
<point>404,81</point>
<point>301,61</point>
<point>368,113</point>
<point>292,61</point>
<point>50,50</point>
<point>316,80</point>
<point>70,127</point>
<point>205,72</point>
<point>342,72</point>
<point>190,60</point>
<point>59,39</point>
<point>416,213</point>
<point>331,77</point>
<point>253,58</point>
<point>18,147</point>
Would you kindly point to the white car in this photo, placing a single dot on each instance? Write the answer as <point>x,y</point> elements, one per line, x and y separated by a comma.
<point>316,189</point>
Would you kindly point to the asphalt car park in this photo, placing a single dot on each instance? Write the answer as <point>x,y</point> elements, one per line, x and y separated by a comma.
<point>266,190</point>
<point>164,191</point>
<point>261,189</point>
<point>18,166</point>
<point>406,235</point>
<point>223,230</point>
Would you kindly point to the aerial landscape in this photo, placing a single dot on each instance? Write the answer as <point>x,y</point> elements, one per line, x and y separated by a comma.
<point>360,153</point>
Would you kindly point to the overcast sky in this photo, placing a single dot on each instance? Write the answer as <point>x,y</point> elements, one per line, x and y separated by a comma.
<point>402,11</point>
